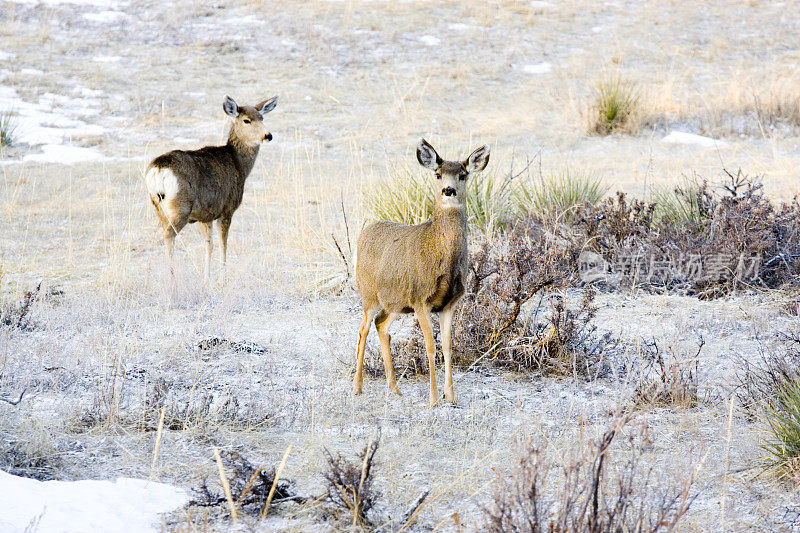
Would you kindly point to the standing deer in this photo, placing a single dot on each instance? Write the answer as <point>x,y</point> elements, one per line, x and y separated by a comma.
<point>207,184</point>
<point>419,269</point>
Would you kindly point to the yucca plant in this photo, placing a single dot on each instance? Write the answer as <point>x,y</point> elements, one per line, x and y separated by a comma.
<point>616,103</point>
<point>8,128</point>
<point>783,435</point>
<point>558,194</point>
<point>680,205</point>
<point>408,198</point>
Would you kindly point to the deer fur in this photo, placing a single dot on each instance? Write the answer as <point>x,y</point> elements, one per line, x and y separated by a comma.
<point>207,184</point>
<point>419,269</point>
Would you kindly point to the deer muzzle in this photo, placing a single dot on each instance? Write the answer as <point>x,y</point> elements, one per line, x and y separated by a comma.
<point>268,137</point>
<point>449,191</point>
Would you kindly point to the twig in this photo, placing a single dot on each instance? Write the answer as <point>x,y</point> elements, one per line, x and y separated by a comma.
<point>275,481</point>
<point>225,485</point>
<point>158,442</point>
<point>411,512</point>
<point>14,402</point>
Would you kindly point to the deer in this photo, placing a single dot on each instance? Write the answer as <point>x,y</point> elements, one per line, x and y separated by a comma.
<point>418,269</point>
<point>187,186</point>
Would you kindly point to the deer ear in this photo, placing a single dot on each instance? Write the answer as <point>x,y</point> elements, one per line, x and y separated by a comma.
<point>230,107</point>
<point>427,156</point>
<point>267,105</point>
<point>477,160</point>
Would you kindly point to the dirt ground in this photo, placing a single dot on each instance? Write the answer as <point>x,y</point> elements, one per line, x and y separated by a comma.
<point>359,82</point>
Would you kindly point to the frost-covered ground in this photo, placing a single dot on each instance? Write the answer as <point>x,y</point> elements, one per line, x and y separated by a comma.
<point>99,87</point>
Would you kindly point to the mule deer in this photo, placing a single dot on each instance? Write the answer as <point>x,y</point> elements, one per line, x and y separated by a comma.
<point>207,184</point>
<point>419,269</point>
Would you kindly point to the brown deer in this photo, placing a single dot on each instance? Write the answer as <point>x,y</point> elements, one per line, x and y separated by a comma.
<point>419,269</point>
<point>207,184</point>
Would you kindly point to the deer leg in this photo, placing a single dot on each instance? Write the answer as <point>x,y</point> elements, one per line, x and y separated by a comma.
<point>171,229</point>
<point>446,323</point>
<point>223,225</point>
<point>424,319</point>
<point>382,323</point>
<point>205,229</point>
<point>363,331</point>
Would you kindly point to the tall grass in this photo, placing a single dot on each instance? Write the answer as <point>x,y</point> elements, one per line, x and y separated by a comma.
<point>408,197</point>
<point>8,128</point>
<point>616,104</point>
<point>783,443</point>
<point>679,205</point>
<point>559,193</point>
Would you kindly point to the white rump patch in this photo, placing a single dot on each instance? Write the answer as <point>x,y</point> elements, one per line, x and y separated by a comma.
<point>161,181</point>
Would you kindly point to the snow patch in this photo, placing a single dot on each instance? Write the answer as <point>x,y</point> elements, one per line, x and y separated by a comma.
<point>5,56</point>
<point>538,68</point>
<point>430,40</point>
<point>681,137</point>
<point>95,3</point>
<point>66,155</point>
<point>107,59</point>
<point>31,72</point>
<point>45,122</point>
<point>85,506</point>
<point>104,16</point>
<point>460,26</point>
<point>541,5</point>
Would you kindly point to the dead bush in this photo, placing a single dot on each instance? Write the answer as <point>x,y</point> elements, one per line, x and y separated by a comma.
<point>18,315</point>
<point>588,493</point>
<point>759,382</point>
<point>519,312</point>
<point>249,486</point>
<point>349,484</point>
<point>666,381</point>
<point>28,459</point>
<point>736,239</point>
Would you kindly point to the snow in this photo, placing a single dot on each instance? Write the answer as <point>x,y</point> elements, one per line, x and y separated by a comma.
<point>95,3</point>
<point>107,59</point>
<point>429,40</point>
<point>538,68</point>
<point>123,505</point>
<point>5,56</point>
<point>44,122</point>
<point>104,16</point>
<point>67,155</point>
<point>681,137</point>
<point>542,5</point>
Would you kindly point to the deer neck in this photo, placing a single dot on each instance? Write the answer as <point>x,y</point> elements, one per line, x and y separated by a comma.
<point>244,153</point>
<point>449,228</point>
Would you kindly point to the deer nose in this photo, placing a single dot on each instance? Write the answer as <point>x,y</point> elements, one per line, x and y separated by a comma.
<point>268,137</point>
<point>449,191</point>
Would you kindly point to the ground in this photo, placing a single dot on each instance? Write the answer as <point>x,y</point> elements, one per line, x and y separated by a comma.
<point>101,87</point>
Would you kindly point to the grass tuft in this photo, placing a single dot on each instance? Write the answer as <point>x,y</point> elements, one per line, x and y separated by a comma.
<point>408,197</point>
<point>783,444</point>
<point>559,193</point>
<point>8,128</point>
<point>616,103</point>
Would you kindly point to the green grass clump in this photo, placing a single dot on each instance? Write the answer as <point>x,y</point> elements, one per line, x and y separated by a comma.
<point>680,205</point>
<point>615,107</point>
<point>559,193</point>
<point>783,443</point>
<point>408,198</point>
<point>8,128</point>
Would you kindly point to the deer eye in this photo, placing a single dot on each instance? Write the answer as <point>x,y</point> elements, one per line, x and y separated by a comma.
<point>246,121</point>
<point>462,176</point>
<point>438,176</point>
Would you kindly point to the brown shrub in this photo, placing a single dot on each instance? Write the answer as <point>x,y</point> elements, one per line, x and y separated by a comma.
<point>589,493</point>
